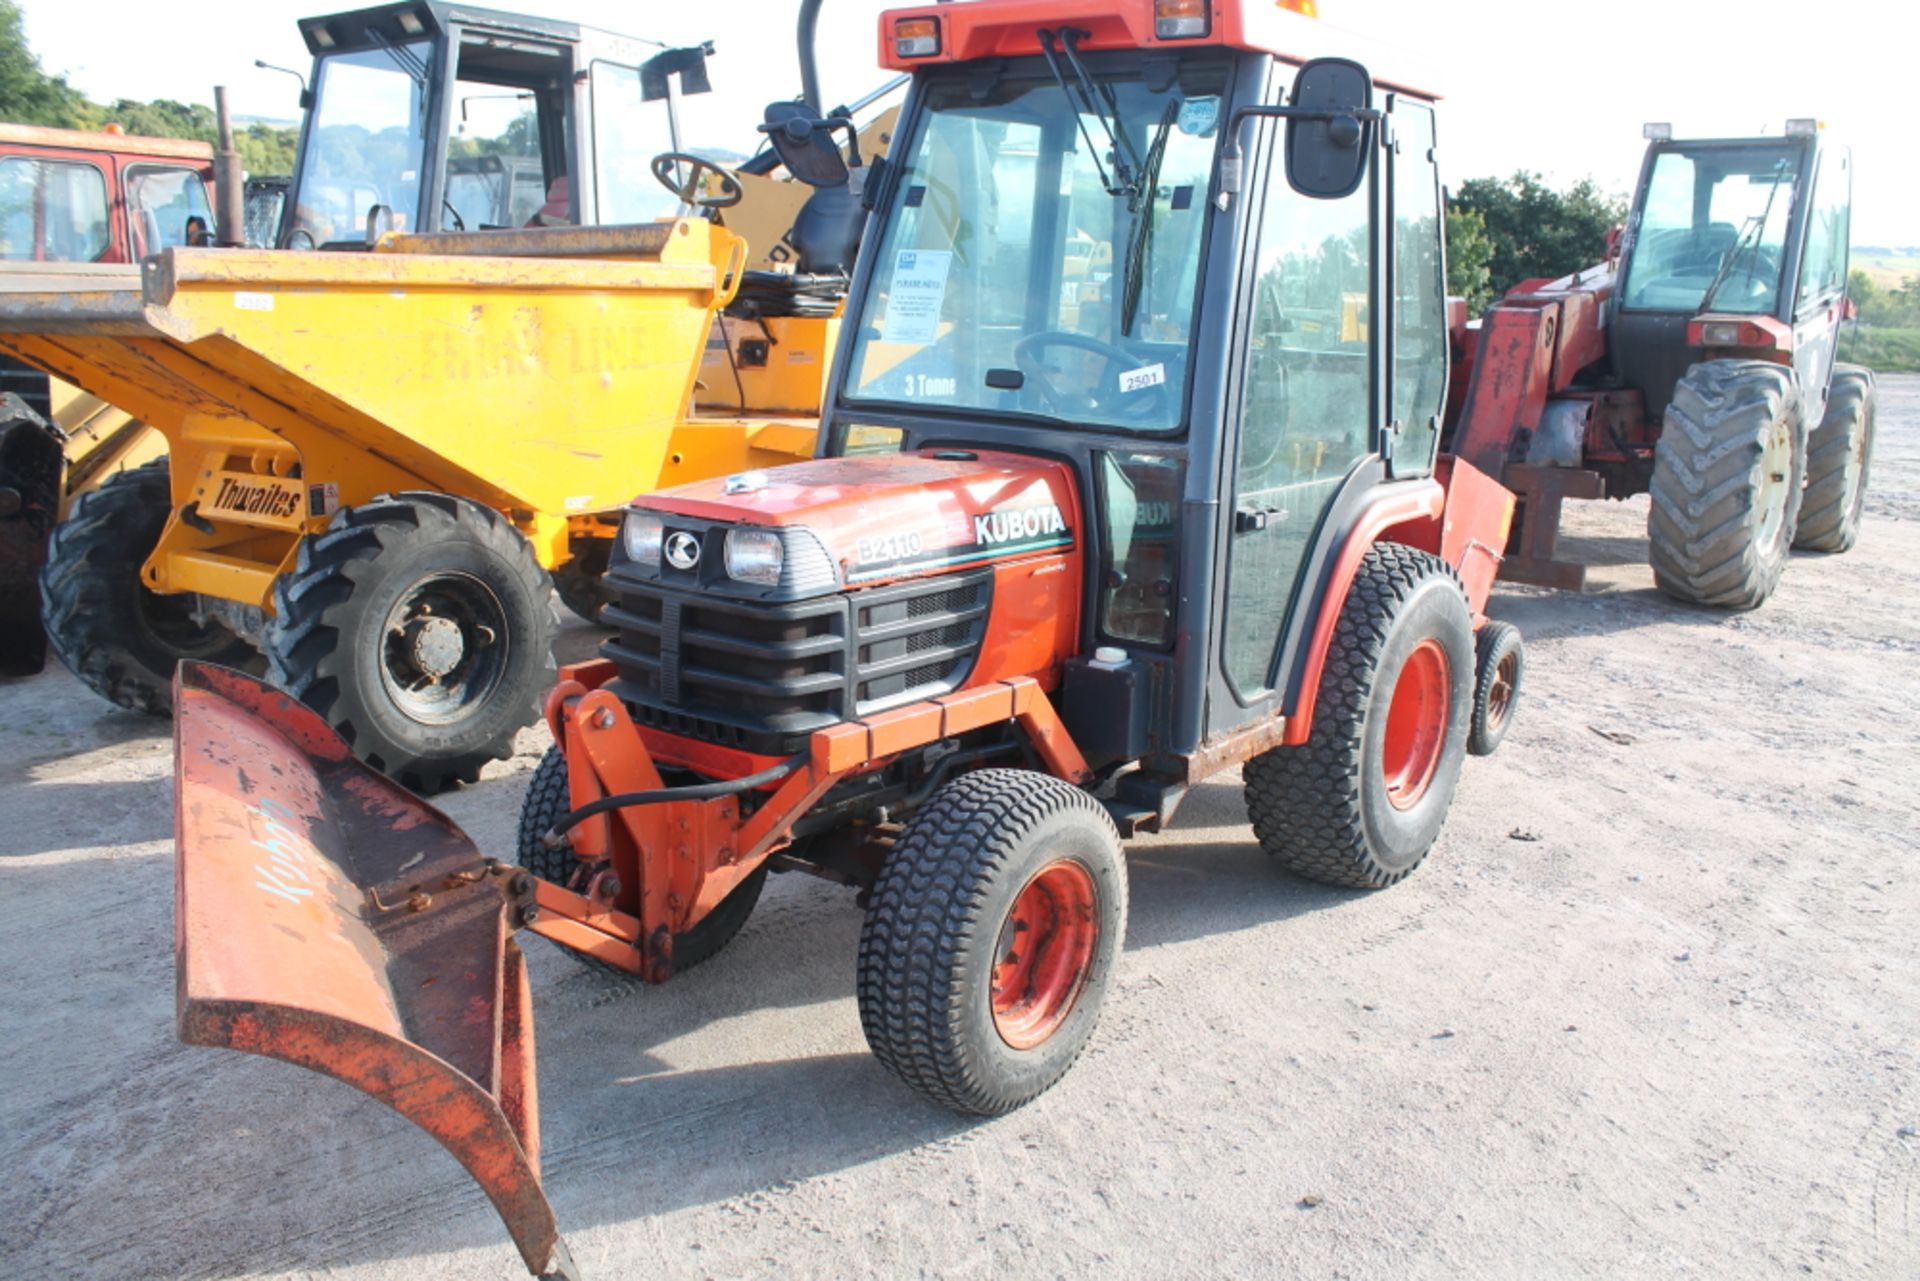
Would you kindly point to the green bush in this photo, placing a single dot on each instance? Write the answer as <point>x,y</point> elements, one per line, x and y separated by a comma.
<point>1883,350</point>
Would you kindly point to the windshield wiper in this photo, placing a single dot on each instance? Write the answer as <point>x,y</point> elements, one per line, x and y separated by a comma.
<point>1744,247</point>
<point>1123,182</point>
<point>1142,238</point>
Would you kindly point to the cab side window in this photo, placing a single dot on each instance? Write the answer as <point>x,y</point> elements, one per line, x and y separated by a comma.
<point>52,211</point>
<point>1823,263</point>
<point>1419,291</point>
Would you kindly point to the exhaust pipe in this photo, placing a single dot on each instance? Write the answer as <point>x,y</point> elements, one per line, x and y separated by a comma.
<point>229,182</point>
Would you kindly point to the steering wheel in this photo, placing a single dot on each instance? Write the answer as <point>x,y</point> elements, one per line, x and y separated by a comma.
<point>692,189</point>
<point>1141,405</point>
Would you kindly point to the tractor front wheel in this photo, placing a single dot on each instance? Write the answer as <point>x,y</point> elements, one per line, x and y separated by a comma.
<point>420,626</point>
<point>1361,801</point>
<point>1839,456</point>
<point>548,801</point>
<point>994,929</point>
<point>1727,477</point>
<point>1499,663</point>
<point>119,637</point>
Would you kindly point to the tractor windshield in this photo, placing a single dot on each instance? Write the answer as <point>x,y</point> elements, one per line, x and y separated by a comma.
<point>365,145</point>
<point>1713,230</point>
<point>1042,250</point>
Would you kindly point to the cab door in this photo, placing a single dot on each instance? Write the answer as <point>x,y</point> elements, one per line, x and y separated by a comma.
<point>1309,420</point>
<point>1823,281</point>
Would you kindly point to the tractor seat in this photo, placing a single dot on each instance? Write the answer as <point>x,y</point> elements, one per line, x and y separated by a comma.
<point>826,233</point>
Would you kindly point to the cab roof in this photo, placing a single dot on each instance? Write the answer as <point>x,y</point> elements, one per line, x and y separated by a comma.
<point>975,29</point>
<point>132,146</point>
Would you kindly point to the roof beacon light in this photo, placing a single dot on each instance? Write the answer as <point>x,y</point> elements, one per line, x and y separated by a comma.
<point>916,37</point>
<point>1305,8</point>
<point>1659,131</point>
<point>1180,19</point>
<point>1803,128</point>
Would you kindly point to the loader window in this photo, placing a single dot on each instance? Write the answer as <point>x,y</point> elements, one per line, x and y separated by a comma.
<point>495,165</point>
<point>1033,262</point>
<point>172,196</point>
<point>1713,228</point>
<point>366,143</point>
<point>52,211</point>
<point>628,132</point>
<point>1306,408</point>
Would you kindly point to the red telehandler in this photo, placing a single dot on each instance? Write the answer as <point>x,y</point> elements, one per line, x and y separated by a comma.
<point>1113,495</point>
<point>1695,363</point>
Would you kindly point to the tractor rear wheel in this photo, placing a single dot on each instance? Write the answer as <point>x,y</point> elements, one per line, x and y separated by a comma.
<point>1499,663</point>
<point>1839,456</point>
<point>1361,801</point>
<point>120,638</point>
<point>548,801</point>
<point>420,626</point>
<point>1727,476</point>
<point>994,929</point>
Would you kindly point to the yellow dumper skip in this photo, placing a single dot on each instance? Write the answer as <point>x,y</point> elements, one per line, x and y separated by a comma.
<point>546,375</point>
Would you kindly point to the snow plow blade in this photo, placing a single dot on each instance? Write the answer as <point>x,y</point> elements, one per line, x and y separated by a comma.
<point>328,917</point>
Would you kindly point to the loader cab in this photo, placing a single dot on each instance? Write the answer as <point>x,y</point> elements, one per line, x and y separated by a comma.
<point>435,117</point>
<point>1748,232</point>
<point>1069,260</point>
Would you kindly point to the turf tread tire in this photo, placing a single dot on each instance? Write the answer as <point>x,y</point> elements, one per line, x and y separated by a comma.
<point>547,801</point>
<point>1491,644</point>
<point>1311,805</point>
<point>1703,527</point>
<point>320,612</point>
<point>1839,461</point>
<point>920,947</point>
<point>93,602</point>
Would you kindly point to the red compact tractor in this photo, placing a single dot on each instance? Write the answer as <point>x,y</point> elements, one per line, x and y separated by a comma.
<point>1696,364</point>
<point>1117,492</point>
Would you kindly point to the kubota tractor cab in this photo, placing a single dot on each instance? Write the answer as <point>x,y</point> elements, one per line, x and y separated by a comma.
<point>1111,500</point>
<point>440,117</point>
<point>1698,365</point>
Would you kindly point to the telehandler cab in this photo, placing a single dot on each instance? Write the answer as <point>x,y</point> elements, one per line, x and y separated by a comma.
<point>1091,523</point>
<point>1696,363</point>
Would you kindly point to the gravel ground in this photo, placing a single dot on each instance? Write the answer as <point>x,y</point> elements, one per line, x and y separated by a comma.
<point>1651,1009</point>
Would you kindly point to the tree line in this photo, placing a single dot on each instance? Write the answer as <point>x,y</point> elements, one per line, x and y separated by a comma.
<point>29,96</point>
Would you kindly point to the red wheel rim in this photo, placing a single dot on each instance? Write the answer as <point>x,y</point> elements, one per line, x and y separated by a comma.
<point>1417,724</point>
<point>1044,953</point>
<point>1500,688</point>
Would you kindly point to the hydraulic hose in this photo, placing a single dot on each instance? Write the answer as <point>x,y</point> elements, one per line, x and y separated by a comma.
<point>554,835</point>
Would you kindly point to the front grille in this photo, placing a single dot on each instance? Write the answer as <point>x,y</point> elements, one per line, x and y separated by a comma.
<point>763,676</point>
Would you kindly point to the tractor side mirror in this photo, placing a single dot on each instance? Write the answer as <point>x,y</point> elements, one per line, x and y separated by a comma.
<point>1326,144</point>
<point>804,143</point>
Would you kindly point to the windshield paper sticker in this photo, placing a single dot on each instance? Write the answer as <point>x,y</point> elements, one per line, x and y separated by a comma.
<point>914,298</point>
<point>1198,116</point>
<point>1142,378</point>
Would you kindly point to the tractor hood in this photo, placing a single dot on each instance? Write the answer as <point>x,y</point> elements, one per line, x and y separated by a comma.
<point>879,518</point>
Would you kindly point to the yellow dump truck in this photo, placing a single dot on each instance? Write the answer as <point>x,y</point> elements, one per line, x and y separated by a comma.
<point>386,436</point>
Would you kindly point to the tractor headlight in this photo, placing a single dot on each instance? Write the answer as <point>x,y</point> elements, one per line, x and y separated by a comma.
<point>643,531</point>
<point>755,556</point>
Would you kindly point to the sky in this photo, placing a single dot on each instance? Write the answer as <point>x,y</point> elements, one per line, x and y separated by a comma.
<point>1536,84</point>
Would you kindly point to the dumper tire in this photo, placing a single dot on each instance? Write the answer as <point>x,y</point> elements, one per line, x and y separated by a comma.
<point>1362,801</point>
<point>581,581</point>
<point>120,638</point>
<point>548,800</point>
<point>32,466</point>
<point>952,1003</point>
<point>1499,668</point>
<point>354,635</point>
<point>1727,484</point>
<point>1839,458</point>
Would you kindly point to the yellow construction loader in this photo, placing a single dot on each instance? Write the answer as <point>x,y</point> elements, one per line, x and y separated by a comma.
<point>389,434</point>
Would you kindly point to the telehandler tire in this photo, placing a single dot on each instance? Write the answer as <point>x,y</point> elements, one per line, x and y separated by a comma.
<point>1499,664</point>
<point>420,626</point>
<point>547,801</point>
<point>1839,458</point>
<point>1727,478</point>
<point>1361,802</point>
<point>993,932</point>
<point>121,639</point>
